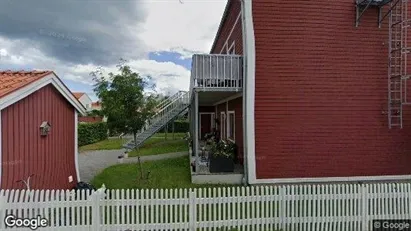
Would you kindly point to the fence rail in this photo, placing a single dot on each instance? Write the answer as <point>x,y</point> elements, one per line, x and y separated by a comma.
<point>337,207</point>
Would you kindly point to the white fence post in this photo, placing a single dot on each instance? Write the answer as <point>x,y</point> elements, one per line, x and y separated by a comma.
<point>282,207</point>
<point>96,213</point>
<point>364,207</point>
<point>192,214</point>
<point>3,202</point>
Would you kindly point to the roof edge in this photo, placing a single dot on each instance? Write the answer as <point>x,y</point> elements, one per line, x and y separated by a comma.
<point>223,19</point>
<point>30,88</point>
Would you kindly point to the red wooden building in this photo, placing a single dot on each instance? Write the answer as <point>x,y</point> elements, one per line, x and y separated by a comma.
<point>301,87</point>
<point>38,131</point>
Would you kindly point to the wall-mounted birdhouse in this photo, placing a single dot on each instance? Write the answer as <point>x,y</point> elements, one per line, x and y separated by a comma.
<point>45,128</point>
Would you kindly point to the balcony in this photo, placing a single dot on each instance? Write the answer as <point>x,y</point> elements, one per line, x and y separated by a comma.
<point>215,72</point>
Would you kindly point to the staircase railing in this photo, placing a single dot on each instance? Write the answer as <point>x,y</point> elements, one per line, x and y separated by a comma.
<point>177,101</point>
<point>170,99</point>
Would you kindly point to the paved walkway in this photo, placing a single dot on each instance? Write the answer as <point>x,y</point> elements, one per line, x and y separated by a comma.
<point>92,163</point>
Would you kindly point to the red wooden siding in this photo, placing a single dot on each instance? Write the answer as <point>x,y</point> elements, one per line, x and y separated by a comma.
<point>25,152</point>
<point>321,88</point>
<point>236,105</point>
<point>228,26</point>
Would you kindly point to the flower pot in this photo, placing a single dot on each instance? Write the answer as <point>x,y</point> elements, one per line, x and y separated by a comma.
<point>221,164</point>
<point>125,155</point>
<point>120,160</point>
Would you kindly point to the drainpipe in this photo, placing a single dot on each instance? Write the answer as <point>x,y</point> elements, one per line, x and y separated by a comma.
<point>245,140</point>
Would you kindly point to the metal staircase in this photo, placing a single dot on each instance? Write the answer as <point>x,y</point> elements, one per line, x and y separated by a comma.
<point>397,71</point>
<point>167,110</point>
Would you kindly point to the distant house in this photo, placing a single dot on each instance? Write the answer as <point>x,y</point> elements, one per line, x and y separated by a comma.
<point>96,105</point>
<point>38,131</point>
<point>84,100</point>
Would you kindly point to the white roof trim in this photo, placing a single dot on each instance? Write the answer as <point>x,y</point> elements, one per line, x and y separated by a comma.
<point>25,91</point>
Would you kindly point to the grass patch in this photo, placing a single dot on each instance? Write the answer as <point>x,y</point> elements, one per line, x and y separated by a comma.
<point>155,146</point>
<point>108,144</point>
<point>169,173</point>
<point>170,135</point>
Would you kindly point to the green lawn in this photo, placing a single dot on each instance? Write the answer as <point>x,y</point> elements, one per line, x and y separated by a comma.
<point>169,135</point>
<point>108,144</point>
<point>159,145</point>
<point>170,173</point>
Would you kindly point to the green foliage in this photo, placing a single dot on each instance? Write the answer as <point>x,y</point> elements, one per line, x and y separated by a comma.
<point>179,126</point>
<point>89,133</point>
<point>108,144</point>
<point>157,145</point>
<point>123,99</point>
<point>222,148</point>
<point>95,113</point>
<point>168,173</point>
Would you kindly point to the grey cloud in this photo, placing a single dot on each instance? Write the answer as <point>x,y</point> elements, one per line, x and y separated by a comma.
<point>75,31</point>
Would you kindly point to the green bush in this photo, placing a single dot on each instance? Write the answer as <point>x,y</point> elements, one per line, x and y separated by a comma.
<point>179,126</point>
<point>89,133</point>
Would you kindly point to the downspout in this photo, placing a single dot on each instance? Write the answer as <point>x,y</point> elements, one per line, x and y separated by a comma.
<point>248,91</point>
<point>245,164</point>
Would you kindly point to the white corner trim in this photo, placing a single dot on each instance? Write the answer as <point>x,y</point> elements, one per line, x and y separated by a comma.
<point>332,179</point>
<point>229,127</point>
<point>36,85</point>
<point>76,145</point>
<point>238,95</point>
<point>1,158</point>
<point>249,89</point>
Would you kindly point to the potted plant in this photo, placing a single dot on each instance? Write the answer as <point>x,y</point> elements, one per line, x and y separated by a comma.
<point>222,156</point>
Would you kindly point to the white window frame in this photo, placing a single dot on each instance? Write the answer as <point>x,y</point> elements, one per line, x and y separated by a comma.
<point>224,48</point>
<point>231,49</point>
<point>229,128</point>
<point>223,125</point>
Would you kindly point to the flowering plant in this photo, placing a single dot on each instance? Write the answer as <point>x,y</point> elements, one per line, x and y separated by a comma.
<point>222,148</point>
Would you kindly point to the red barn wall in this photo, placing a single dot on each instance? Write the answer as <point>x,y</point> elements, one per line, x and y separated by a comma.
<point>25,152</point>
<point>236,105</point>
<point>230,26</point>
<point>320,90</point>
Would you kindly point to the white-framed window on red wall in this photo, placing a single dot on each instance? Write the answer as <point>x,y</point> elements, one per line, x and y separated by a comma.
<point>231,126</point>
<point>231,49</point>
<point>223,126</point>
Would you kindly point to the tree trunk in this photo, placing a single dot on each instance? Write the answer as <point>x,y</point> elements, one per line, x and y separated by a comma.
<point>135,139</point>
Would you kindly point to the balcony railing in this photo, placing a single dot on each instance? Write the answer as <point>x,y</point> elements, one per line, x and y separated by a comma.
<point>217,72</point>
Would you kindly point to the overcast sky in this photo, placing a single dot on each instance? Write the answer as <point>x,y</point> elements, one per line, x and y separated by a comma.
<point>74,37</point>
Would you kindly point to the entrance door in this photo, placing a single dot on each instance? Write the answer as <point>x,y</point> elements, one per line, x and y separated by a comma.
<point>205,124</point>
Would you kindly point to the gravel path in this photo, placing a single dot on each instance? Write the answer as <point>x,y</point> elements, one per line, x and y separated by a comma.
<point>92,163</point>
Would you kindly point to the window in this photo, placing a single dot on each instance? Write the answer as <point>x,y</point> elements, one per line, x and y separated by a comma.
<point>231,126</point>
<point>231,49</point>
<point>224,49</point>
<point>223,126</point>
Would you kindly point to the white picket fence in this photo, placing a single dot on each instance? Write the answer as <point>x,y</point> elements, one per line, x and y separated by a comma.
<point>337,207</point>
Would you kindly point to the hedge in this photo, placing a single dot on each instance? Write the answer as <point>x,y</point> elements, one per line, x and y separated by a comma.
<point>179,126</point>
<point>89,133</point>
